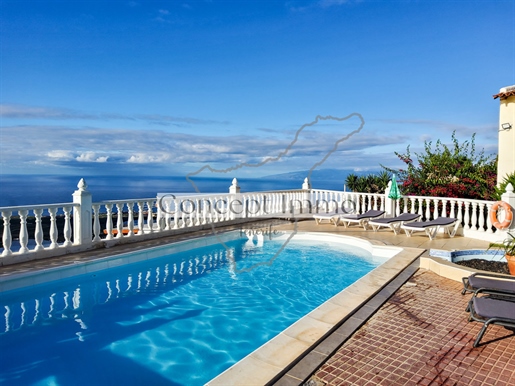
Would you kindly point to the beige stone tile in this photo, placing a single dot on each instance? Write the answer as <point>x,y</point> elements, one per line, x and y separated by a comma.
<point>249,371</point>
<point>308,329</point>
<point>280,351</point>
<point>351,297</point>
<point>331,313</point>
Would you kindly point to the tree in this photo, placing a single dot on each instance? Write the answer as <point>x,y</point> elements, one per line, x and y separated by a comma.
<point>371,183</point>
<point>509,179</point>
<point>448,171</point>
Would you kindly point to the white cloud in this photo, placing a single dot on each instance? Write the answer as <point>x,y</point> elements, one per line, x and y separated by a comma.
<point>11,111</point>
<point>144,158</point>
<point>65,155</point>
<point>91,157</point>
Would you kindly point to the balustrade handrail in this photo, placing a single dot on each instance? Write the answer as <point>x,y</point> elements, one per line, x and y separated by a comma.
<point>124,201</point>
<point>37,206</point>
<point>469,200</point>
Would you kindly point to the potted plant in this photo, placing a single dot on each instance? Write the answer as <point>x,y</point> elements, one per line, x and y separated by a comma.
<point>508,248</point>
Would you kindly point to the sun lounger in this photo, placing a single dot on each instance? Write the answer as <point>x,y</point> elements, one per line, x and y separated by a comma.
<point>361,219</point>
<point>492,310</point>
<point>489,281</point>
<point>332,218</point>
<point>394,223</point>
<point>449,224</point>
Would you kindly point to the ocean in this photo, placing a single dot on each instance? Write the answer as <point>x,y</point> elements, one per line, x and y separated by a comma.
<point>18,190</point>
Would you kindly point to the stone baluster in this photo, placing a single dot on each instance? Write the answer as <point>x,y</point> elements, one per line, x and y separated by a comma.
<point>444,208</point>
<point>197,212</point>
<point>177,214</point>
<point>167,206</point>
<point>452,212</point>
<point>188,212</point>
<point>489,224</point>
<point>481,212</point>
<point>67,230</point>
<point>428,209</point>
<point>38,232</point>
<point>459,210</point>
<point>109,221</point>
<point>261,202</point>
<point>119,220</point>
<point>217,209</point>
<point>206,208</point>
<point>23,237</point>
<point>150,217</point>
<point>53,228</point>
<point>467,215</point>
<point>130,218</point>
<point>141,217</point>
<point>474,215</point>
<point>96,222</point>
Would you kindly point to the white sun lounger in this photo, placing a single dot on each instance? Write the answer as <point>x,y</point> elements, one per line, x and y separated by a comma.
<point>361,219</point>
<point>394,223</point>
<point>332,218</point>
<point>449,224</point>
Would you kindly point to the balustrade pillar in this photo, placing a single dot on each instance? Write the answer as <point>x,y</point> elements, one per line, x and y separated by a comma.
<point>130,219</point>
<point>38,233</point>
<point>119,220</point>
<point>23,237</point>
<point>150,216</point>
<point>109,221</point>
<point>53,228</point>
<point>82,219</point>
<point>96,223</point>
<point>67,232</point>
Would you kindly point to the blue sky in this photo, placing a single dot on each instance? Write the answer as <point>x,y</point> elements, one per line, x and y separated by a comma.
<point>167,87</point>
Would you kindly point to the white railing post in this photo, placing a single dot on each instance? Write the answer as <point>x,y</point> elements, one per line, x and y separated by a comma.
<point>82,226</point>
<point>509,197</point>
<point>235,203</point>
<point>389,204</point>
<point>306,196</point>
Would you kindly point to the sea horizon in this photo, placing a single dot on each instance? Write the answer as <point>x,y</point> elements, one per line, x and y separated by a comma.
<point>36,189</point>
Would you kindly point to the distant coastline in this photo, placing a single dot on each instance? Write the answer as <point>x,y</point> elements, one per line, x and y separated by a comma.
<point>28,189</point>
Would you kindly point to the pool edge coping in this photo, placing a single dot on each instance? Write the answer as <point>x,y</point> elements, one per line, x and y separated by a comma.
<point>271,362</point>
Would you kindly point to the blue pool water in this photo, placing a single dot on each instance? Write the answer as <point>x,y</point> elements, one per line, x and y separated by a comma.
<point>179,319</point>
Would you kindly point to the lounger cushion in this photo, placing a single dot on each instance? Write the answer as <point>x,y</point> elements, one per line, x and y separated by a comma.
<point>369,214</point>
<point>402,217</point>
<point>441,221</point>
<point>493,308</point>
<point>483,282</point>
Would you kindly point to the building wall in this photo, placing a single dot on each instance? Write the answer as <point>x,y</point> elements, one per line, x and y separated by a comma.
<point>506,163</point>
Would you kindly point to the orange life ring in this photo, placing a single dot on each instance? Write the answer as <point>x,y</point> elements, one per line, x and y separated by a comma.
<point>507,218</point>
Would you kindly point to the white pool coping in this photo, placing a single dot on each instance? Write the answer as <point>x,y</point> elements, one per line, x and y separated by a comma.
<point>269,360</point>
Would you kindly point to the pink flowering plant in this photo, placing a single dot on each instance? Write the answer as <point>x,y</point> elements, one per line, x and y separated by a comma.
<point>448,171</point>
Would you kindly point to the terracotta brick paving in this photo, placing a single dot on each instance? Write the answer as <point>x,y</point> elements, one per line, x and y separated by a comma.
<point>422,336</point>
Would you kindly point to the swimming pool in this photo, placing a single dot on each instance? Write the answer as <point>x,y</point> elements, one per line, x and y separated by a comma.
<point>181,318</point>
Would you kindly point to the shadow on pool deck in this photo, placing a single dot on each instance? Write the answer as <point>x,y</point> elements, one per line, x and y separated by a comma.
<point>420,336</point>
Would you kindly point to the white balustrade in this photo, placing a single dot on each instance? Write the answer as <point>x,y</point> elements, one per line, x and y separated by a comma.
<point>27,223</point>
<point>41,229</point>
